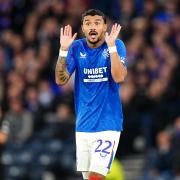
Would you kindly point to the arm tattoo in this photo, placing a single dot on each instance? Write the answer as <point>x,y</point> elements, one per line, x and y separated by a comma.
<point>62,76</point>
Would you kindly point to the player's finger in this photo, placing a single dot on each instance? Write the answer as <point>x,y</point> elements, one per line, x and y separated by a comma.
<point>118,29</point>
<point>61,33</point>
<point>112,30</point>
<point>65,30</point>
<point>115,27</point>
<point>70,31</point>
<point>74,36</point>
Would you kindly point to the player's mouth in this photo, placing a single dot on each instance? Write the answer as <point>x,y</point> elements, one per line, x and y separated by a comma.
<point>93,34</point>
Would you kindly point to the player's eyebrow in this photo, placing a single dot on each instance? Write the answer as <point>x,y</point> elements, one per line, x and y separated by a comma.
<point>98,19</point>
<point>87,20</point>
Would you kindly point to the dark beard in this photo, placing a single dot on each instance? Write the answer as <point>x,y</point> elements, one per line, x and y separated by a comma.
<point>95,42</point>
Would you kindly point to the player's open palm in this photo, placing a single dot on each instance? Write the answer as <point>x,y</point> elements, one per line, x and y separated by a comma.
<point>66,37</point>
<point>110,38</point>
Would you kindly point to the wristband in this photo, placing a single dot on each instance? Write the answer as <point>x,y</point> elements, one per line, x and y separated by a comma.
<point>112,49</point>
<point>63,53</point>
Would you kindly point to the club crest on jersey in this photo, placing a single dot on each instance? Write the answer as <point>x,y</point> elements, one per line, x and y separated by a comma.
<point>83,56</point>
<point>105,53</point>
<point>122,60</point>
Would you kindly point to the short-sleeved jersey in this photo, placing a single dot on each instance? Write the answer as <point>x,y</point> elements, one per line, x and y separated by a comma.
<point>97,100</point>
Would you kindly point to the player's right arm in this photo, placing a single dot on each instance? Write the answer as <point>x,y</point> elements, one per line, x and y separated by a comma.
<point>61,73</point>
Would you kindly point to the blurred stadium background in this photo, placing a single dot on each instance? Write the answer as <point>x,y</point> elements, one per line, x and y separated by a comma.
<point>37,117</point>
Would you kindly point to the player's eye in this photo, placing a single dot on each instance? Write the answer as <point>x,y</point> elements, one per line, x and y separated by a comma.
<point>87,24</point>
<point>97,23</point>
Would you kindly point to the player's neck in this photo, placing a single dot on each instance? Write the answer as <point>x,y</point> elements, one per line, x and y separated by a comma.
<point>99,43</point>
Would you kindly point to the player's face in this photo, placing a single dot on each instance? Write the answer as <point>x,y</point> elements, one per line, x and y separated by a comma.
<point>94,28</point>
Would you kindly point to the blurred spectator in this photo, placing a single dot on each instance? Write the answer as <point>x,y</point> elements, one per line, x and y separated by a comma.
<point>2,141</point>
<point>2,135</point>
<point>176,148</point>
<point>17,124</point>
<point>1,89</point>
<point>2,61</point>
<point>5,10</point>
<point>33,106</point>
<point>45,95</point>
<point>160,161</point>
<point>61,124</point>
<point>127,11</point>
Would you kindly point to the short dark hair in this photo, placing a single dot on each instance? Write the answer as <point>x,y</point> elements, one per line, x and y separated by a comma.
<point>93,12</point>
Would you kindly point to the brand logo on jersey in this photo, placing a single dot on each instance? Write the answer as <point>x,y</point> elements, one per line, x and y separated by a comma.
<point>95,74</point>
<point>83,55</point>
<point>94,71</point>
<point>105,53</point>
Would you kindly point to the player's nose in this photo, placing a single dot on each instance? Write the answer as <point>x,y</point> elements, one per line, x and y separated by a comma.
<point>93,26</point>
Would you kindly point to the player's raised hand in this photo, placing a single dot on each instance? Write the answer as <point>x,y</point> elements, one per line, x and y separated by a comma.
<point>66,37</point>
<point>110,38</point>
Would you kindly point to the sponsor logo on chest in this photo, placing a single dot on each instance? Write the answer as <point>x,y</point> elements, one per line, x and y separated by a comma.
<point>95,74</point>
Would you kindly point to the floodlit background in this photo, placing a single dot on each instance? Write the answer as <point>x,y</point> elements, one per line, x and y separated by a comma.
<point>37,117</point>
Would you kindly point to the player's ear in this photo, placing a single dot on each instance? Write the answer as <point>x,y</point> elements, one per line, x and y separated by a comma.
<point>82,28</point>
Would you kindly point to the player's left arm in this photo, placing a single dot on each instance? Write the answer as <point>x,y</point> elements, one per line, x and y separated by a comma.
<point>118,68</point>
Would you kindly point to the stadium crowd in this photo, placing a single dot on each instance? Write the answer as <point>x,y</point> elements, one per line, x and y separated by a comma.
<point>37,117</point>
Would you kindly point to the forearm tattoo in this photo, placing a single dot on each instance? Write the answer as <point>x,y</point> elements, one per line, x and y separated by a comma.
<point>61,73</point>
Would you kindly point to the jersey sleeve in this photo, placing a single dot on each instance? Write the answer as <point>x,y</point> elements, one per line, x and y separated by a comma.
<point>121,51</point>
<point>70,60</point>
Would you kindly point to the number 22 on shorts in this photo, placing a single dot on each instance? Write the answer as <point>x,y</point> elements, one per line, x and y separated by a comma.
<point>106,149</point>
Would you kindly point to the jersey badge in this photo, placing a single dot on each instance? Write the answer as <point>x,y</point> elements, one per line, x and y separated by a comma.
<point>105,53</point>
<point>83,56</point>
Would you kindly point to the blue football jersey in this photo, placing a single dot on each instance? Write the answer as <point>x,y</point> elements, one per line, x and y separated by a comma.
<point>97,101</point>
